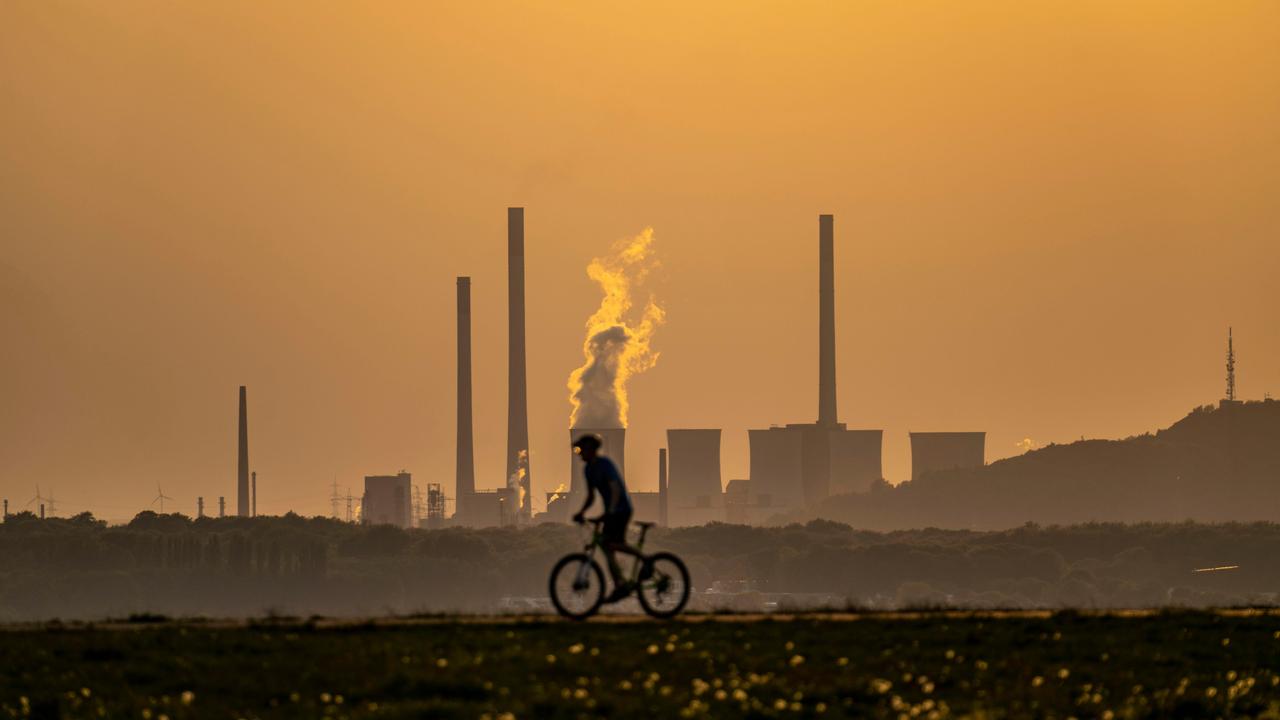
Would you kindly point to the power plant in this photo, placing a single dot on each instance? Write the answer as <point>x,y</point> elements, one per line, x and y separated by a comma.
<point>801,464</point>
<point>792,466</point>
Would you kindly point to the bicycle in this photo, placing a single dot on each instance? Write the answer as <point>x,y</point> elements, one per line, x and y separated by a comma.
<point>660,581</point>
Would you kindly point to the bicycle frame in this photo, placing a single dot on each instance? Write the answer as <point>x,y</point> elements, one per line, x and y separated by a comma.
<point>597,542</point>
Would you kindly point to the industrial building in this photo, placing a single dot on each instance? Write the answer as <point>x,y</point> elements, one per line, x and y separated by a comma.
<point>800,465</point>
<point>792,466</point>
<point>694,493</point>
<point>386,500</point>
<point>646,506</point>
<point>776,458</point>
<point>498,507</point>
<point>933,451</point>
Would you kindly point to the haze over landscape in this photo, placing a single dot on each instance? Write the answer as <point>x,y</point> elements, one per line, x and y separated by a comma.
<point>504,359</point>
<point>1045,222</point>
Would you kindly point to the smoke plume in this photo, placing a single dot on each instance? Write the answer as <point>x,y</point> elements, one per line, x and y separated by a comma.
<point>515,483</point>
<point>617,345</point>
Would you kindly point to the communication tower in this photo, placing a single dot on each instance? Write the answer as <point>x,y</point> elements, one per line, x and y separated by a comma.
<point>1231,368</point>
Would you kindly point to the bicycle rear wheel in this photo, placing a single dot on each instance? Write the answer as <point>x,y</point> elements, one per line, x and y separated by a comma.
<point>666,591</point>
<point>577,586</point>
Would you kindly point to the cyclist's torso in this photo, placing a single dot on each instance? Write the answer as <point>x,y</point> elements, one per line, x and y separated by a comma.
<point>603,476</point>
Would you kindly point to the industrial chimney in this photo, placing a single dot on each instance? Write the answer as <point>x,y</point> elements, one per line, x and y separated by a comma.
<point>662,487</point>
<point>466,473</point>
<point>517,403</point>
<point>826,322</point>
<point>242,469</point>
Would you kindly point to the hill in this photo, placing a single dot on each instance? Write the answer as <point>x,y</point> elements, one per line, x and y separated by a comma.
<point>1217,464</point>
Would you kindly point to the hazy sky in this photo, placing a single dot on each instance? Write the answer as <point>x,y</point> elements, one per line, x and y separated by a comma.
<point>1046,216</point>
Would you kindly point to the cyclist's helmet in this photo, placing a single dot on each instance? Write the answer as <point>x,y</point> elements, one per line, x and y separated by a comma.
<point>586,441</point>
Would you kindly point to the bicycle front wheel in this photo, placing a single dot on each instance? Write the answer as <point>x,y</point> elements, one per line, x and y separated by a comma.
<point>665,590</point>
<point>577,586</point>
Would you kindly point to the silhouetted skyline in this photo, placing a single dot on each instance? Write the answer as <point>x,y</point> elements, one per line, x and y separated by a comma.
<point>1047,221</point>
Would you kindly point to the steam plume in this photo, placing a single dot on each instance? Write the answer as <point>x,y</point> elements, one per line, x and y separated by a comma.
<point>515,483</point>
<point>618,343</point>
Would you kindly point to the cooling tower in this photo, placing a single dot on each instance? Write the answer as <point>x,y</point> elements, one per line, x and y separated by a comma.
<point>517,403</point>
<point>613,447</point>
<point>777,459</point>
<point>933,451</point>
<point>826,321</point>
<point>693,475</point>
<point>465,466</point>
<point>855,460</point>
<point>242,463</point>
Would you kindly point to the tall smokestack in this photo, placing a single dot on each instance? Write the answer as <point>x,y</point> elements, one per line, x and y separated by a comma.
<point>517,402</point>
<point>253,494</point>
<point>826,321</point>
<point>662,487</point>
<point>466,469</point>
<point>242,468</point>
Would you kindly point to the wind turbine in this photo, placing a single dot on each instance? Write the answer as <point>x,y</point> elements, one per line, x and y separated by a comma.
<point>160,498</point>
<point>38,498</point>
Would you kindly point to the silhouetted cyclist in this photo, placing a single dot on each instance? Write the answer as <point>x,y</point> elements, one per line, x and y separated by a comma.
<point>603,477</point>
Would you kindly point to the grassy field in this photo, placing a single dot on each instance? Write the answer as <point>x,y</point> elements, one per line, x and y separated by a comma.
<point>899,665</point>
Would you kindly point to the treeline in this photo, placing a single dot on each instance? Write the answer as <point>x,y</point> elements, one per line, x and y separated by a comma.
<point>235,567</point>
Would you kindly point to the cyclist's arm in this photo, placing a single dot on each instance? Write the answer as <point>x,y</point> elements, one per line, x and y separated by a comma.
<point>591,496</point>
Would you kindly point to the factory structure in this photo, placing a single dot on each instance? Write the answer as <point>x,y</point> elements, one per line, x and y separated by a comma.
<point>792,466</point>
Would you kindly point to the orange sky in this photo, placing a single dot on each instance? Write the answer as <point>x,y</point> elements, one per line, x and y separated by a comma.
<point>1046,216</point>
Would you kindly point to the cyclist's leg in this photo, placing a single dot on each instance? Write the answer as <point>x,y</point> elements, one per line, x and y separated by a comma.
<point>614,540</point>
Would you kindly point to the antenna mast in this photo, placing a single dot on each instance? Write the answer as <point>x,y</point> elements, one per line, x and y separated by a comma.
<point>1231,368</point>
